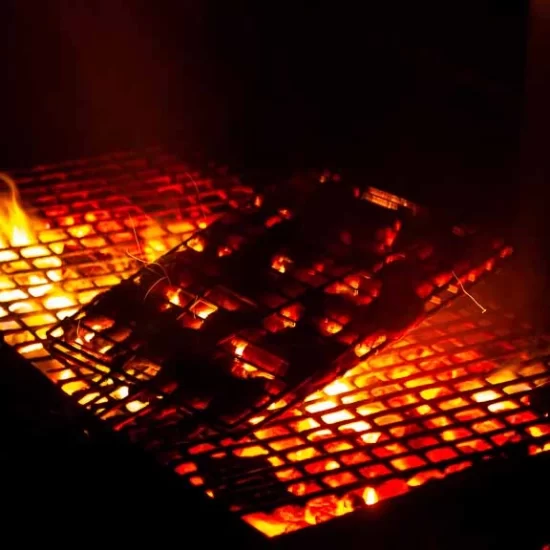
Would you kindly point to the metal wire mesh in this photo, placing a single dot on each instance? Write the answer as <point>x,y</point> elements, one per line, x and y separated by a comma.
<point>264,328</point>
<point>452,393</point>
<point>95,222</point>
<point>455,391</point>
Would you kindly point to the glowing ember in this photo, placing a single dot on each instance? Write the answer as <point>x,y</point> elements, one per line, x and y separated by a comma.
<point>203,309</point>
<point>280,263</point>
<point>370,496</point>
<point>239,348</point>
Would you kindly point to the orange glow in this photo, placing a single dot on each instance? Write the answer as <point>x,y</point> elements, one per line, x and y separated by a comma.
<point>370,496</point>
<point>15,226</point>
<point>280,263</point>
<point>121,393</point>
<point>239,348</point>
<point>197,244</point>
<point>78,248</point>
<point>173,296</point>
<point>387,200</point>
<point>337,387</point>
<point>58,302</point>
<point>203,309</point>
<point>341,421</point>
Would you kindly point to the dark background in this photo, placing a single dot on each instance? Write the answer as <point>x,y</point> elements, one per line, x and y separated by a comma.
<point>415,95</point>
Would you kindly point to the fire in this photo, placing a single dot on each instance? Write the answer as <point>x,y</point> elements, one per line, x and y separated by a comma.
<point>368,436</point>
<point>239,348</point>
<point>78,246</point>
<point>15,225</point>
<point>407,411</point>
<point>24,291</point>
<point>203,309</point>
<point>280,263</point>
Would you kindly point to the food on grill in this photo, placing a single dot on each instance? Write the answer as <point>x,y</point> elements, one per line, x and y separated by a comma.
<point>275,299</point>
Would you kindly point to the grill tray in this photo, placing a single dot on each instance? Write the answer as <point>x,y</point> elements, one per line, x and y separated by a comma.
<point>274,300</point>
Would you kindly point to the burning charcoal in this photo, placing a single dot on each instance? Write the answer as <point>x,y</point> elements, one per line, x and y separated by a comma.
<point>268,303</point>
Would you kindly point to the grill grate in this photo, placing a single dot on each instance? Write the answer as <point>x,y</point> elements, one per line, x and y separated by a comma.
<point>428,402</point>
<point>95,222</point>
<point>453,392</point>
<point>269,307</point>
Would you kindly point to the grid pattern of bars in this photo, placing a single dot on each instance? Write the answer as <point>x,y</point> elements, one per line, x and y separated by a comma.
<point>95,222</point>
<point>301,326</point>
<point>116,395</point>
<point>453,392</point>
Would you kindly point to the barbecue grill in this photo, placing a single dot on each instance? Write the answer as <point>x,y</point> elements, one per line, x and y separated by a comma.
<point>454,394</point>
<point>438,441</point>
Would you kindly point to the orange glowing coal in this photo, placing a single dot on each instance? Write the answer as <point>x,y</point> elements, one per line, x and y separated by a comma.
<point>15,225</point>
<point>370,496</point>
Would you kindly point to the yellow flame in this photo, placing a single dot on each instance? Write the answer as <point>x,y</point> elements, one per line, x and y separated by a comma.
<point>239,348</point>
<point>15,226</point>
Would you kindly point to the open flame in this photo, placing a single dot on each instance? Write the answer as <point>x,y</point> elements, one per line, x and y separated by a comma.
<point>15,225</point>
